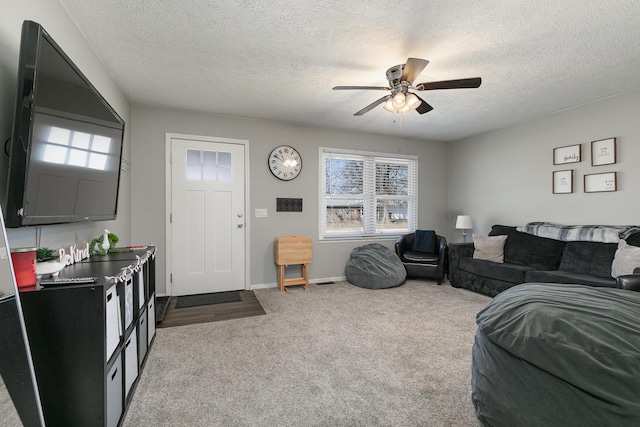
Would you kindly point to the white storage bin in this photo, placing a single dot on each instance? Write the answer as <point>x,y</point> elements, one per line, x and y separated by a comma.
<point>114,327</point>
<point>151,318</point>
<point>130,361</point>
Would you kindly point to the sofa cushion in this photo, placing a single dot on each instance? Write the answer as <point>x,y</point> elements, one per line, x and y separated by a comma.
<point>512,273</point>
<point>526,249</point>
<point>626,259</point>
<point>489,248</point>
<point>562,276</point>
<point>592,258</point>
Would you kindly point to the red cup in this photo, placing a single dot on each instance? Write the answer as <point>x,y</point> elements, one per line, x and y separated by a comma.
<point>24,266</point>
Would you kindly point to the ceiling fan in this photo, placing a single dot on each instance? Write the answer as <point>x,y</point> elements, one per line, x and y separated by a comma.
<point>401,77</point>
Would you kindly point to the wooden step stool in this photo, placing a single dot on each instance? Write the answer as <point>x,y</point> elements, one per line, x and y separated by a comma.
<point>292,250</point>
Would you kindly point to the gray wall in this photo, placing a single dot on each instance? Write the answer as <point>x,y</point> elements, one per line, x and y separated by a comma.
<point>499,177</point>
<point>54,18</point>
<point>505,176</point>
<point>148,193</point>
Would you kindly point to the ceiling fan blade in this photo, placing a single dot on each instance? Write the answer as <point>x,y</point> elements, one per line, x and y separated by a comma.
<point>373,105</point>
<point>424,106</point>
<point>360,88</point>
<point>413,68</point>
<point>471,83</point>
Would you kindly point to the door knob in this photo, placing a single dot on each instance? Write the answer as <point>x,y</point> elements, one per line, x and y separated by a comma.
<point>240,225</point>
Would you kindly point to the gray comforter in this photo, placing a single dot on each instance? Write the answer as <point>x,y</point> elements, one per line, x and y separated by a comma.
<point>558,355</point>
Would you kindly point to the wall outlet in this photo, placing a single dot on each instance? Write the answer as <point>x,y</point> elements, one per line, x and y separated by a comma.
<point>261,213</point>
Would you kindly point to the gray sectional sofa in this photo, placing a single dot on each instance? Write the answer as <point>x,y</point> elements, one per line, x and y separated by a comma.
<point>530,258</point>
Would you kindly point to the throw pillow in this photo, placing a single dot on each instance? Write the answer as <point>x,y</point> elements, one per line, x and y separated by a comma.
<point>593,258</point>
<point>424,241</point>
<point>490,248</point>
<point>626,259</point>
<point>634,239</point>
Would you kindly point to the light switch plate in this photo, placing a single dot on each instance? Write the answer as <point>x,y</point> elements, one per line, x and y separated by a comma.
<point>261,213</point>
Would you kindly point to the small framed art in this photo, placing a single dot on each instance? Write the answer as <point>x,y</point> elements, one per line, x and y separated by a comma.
<point>563,182</point>
<point>603,152</point>
<point>599,182</point>
<point>568,154</point>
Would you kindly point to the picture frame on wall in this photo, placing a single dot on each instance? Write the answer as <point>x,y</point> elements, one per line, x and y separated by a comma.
<point>600,182</point>
<point>567,154</point>
<point>603,152</point>
<point>563,182</point>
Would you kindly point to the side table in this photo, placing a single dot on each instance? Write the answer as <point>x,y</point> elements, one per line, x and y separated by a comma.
<point>292,250</point>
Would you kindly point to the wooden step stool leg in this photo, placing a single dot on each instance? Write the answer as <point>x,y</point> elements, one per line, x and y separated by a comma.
<point>305,276</point>
<point>281,278</point>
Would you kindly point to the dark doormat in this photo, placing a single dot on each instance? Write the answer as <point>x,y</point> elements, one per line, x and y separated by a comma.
<point>249,306</point>
<point>161,305</point>
<point>208,299</point>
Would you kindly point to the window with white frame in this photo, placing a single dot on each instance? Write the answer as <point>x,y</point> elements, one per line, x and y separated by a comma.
<point>366,194</point>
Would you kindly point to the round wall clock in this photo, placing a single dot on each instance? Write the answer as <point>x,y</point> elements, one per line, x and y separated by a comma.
<point>285,162</point>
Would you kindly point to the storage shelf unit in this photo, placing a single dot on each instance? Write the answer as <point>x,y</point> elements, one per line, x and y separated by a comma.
<point>89,342</point>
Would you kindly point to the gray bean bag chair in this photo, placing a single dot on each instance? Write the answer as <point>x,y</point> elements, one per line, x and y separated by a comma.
<point>375,266</point>
<point>555,354</point>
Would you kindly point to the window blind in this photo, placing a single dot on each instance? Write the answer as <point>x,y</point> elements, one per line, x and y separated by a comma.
<point>366,194</point>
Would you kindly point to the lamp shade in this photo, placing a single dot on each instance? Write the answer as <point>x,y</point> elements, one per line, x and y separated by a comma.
<point>463,222</point>
<point>401,103</point>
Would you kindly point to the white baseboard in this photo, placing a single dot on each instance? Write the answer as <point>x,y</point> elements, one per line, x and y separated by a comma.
<point>275,285</point>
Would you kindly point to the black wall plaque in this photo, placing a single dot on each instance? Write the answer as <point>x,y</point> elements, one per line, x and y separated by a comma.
<point>288,205</point>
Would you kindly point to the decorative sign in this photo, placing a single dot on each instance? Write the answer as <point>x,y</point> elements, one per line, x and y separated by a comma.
<point>75,253</point>
<point>568,154</point>
<point>603,152</point>
<point>598,182</point>
<point>563,182</point>
<point>288,205</point>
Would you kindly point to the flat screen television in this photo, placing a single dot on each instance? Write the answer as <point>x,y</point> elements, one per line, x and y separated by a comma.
<point>66,143</point>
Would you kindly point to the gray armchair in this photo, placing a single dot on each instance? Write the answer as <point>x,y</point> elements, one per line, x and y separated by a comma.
<point>423,265</point>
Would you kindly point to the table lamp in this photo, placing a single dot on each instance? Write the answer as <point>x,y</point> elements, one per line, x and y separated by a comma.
<point>463,222</point>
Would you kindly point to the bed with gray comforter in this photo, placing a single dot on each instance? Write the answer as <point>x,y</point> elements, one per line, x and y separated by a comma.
<point>558,355</point>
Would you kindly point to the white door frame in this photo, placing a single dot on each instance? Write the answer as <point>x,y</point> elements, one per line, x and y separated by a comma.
<point>167,174</point>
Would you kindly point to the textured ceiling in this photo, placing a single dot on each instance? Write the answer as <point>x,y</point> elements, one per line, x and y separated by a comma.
<point>279,59</point>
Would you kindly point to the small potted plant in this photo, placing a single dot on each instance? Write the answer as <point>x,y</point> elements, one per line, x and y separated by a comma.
<point>47,262</point>
<point>44,254</point>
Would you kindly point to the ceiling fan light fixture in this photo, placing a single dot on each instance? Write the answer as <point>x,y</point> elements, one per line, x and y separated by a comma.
<point>399,100</point>
<point>411,103</point>
<point>388,105</point>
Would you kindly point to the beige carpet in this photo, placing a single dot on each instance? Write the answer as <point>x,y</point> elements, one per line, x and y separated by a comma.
<point>335,355</point>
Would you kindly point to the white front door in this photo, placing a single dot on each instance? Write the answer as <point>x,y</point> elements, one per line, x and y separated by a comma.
<point>207,216</point>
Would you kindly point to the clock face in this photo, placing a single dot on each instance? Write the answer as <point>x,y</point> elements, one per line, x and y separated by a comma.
<point>285,163</point>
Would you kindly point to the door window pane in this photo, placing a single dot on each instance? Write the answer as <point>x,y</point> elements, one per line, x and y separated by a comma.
<point>194,173</point>
<point>207,165</point>
<point>209,157</point>
<point>209,173</point>
<point>224,159</point>
<point>193,157</point>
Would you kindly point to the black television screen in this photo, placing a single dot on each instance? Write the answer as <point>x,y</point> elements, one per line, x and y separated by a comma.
<point>66,145</point>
